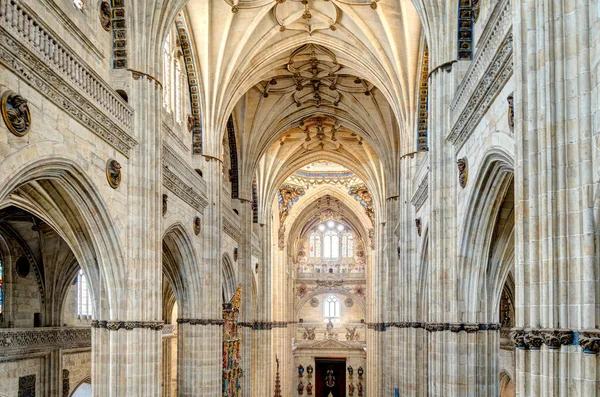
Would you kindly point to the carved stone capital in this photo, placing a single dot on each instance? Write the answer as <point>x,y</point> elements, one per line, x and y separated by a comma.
<point>471,328</point>
<point>555,338</point>
<point>533,339</point>
<point>436,327</point>
<point>590,342</point>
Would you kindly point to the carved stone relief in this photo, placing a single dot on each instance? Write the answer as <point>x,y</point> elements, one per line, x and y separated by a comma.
<point>15,113</point>
<point>113,173</point>
<point>105,19</point>
<point>463,172</point>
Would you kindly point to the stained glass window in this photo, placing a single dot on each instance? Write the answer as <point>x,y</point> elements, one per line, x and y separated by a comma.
<point>84,300</point>
<point>1,287</point>
<point>331,309</point>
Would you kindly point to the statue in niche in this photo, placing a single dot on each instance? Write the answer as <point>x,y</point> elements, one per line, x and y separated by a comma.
<point>196,226</point>
<point>359,386</point>
<point>309,389</point>
<point>15,113</point>
<point>351,389</point>
<point>511,112</point>
<point>113,173</point>
<point>300,371</point>
<point>329,328</point>
<point>105,19</point>
<point>463,171</point>
<point>300,388</point>
<point>350,372</point>
<point>190,122</point>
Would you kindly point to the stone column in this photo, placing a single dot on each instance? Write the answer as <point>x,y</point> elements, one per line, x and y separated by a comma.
<point>200,335</point>
<point>443,354</point>
<point>245,275</point>
<point>557,162</point>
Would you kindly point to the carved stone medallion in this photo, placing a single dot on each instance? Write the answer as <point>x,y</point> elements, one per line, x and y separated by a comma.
<point>15,113</point>
<point>105,20</point>
<point>196,226</point>
<point>349,302</point>
<point>113,173</point>
<point>463,171</point>
<point>314,302</point>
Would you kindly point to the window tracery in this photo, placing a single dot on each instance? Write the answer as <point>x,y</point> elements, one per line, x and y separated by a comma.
<point>335,239</point>
<point>84,301</point>
<point>331,308</point>
<point>173,78</point>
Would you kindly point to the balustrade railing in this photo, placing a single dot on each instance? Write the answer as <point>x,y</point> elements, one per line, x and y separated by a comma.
<point>29,31</point>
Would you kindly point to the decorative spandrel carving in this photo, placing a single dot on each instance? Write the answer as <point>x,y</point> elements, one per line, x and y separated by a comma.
<point>463,171</point>
<point>113,173</point>
<point>15,113</point>
<point>287,196</point>
<point>362,194</point>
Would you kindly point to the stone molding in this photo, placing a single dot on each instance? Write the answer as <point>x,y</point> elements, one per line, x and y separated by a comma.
<point>485,78</point>
<point>168,330</point>
<point>183,181</point>
<point>199,321</point>
<point>421,194</point>
<point>437,327</point>
<point>231,229</point>
<point>533,339</point>
<point>127,325</point>
<point>34,338</point>
<point>61,76</point>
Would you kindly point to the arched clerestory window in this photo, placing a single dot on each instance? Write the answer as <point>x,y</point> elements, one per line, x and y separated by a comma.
<point>84,298</point>
<point>331,308</point>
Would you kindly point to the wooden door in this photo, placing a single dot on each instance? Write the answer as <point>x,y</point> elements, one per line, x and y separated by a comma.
<point>337,382</point>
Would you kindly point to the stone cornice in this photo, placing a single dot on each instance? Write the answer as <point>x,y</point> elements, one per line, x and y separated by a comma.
<point>41,337</point>
<point>421,194</point>
<point>485,78</point>
<point>127,325</point>
<point>231,229</point>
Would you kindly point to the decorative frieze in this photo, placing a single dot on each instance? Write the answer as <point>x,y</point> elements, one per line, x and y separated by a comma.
<point>421,194</point>
<point>422,125</point>
<point>127,325</point>
<point>184,191</point>
<point>265,325</point>
<point>437,327</point>
<point>195,119</point>
<point>199,321</point>
<point>485,78</point>
<point>67,96</point>
<point>119,34</point>
<point>34,338</point>
<point>231,229</point>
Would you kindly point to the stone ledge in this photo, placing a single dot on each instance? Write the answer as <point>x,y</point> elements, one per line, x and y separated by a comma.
<point>533,339</point>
